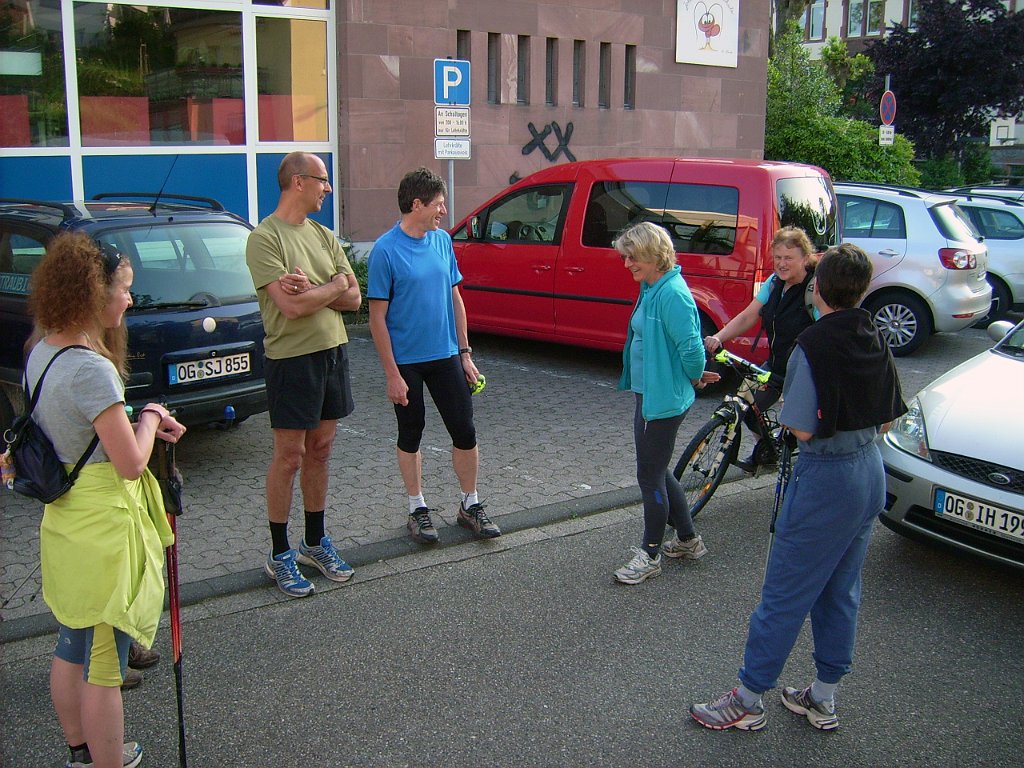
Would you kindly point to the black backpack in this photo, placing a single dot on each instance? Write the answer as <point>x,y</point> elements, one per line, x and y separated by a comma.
<point>38,471</point>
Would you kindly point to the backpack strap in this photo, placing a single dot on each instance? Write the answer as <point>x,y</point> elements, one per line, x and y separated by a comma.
<point>39,384</point>
<point>809,299</point>
<point>35,398</point>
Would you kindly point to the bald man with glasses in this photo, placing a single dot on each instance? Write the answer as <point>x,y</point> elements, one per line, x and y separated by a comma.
<point>303,283</point>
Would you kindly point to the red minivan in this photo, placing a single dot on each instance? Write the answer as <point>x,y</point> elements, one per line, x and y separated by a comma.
<point>537,260</point>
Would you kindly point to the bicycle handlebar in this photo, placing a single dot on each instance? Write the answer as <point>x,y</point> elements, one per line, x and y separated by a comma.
<point>748,368</point>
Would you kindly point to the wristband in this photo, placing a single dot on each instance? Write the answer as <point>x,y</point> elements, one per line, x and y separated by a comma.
<point>466,351</point>
<point>151,410</point>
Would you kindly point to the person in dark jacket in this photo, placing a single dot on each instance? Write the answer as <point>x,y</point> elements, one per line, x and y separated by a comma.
<point>841,390</point>
<point>783,307</point>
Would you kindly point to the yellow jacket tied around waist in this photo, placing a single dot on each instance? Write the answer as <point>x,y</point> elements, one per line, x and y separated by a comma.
<point>102,547</point>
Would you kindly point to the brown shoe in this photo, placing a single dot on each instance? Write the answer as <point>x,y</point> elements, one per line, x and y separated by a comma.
<point>140,658</point>
<point>132,679</point>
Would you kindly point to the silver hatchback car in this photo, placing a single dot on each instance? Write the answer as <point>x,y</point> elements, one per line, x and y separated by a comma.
<point>929,267</point>
<point>1001,222</point>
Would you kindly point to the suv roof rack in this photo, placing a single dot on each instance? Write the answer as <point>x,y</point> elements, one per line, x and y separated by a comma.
<point>156,197</point>
<point>1009,201</point>
<point>1007,187</point>
<point>67,211</point>
<point>897,188</point>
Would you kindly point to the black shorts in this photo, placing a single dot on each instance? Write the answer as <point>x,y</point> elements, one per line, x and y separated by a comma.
<point>305,390</point>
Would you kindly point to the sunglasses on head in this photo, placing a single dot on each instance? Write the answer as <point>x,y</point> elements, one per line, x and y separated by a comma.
<point>111,257</point>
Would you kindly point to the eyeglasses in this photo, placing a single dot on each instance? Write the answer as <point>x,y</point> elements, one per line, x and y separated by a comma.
<point>321,179</point>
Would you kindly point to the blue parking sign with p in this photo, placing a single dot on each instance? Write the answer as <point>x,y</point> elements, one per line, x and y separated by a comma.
<point>451,82</point>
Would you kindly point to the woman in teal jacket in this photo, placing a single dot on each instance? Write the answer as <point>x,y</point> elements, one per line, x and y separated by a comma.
<point>662,362</point>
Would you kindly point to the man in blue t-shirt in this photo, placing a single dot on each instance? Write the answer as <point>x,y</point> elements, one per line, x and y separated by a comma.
<point>418,322</point>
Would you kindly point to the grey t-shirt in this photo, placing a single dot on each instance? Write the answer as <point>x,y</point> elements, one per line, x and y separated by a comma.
<point>78,388</point>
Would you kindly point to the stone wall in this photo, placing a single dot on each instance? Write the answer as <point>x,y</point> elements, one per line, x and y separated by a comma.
<point>385,94</point>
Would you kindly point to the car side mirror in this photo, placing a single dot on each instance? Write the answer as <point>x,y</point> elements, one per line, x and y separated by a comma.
<point>999,329</point>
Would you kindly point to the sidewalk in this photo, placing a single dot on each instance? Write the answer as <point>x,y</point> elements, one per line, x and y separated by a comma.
<point>555,441</point>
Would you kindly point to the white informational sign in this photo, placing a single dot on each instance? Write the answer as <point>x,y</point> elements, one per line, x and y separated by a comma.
<point>451,149</point>
<point>451,121</point>
<point>886,134</point>
<point>707,32</point>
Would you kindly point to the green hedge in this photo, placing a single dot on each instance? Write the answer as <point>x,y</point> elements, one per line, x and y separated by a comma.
<point>847,149</point>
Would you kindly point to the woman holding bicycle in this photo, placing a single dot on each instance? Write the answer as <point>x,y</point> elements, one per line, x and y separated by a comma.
<point>785,308</point>
<point>101,543</point>
<point>662,362</point>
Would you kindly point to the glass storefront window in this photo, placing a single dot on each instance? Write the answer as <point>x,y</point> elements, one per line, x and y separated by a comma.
<point>322,5</point>
<point>152,75</point>
<point>291,72</point>
<point>33,111</point>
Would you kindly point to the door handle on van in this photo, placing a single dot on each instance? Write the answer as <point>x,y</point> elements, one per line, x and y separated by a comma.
<point>542,267</point>
<point>574,269</point>
<point>888,252</point>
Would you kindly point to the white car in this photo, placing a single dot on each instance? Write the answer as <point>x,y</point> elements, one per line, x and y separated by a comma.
<point>954,465</point>
<point>995,190</point>
<point>1001,222</point>
<point>929,268</point>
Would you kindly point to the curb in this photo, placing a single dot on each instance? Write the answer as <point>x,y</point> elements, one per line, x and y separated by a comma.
<point>195,592</point>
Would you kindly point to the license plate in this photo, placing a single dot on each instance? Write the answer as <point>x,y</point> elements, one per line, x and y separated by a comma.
<point>977,514</point>
<point>211,368</point>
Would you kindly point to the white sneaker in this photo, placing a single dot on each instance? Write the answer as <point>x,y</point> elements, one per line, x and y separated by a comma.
<point>640,568</point>
<point>693,549</point>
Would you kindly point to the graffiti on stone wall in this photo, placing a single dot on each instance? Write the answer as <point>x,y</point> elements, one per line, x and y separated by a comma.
<point>539,139</point>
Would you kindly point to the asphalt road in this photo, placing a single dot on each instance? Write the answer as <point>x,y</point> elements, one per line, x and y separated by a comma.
<point>525,653</point>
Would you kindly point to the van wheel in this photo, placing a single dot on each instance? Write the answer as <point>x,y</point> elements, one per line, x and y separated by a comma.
<point>902,319</point>
<point>1000,303</point>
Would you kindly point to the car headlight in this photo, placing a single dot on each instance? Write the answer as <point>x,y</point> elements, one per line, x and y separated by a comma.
<point>908,432</point>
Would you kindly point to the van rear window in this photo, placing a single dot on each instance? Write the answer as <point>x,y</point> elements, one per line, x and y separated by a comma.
<point>810,204</point>
<point>700,218</point>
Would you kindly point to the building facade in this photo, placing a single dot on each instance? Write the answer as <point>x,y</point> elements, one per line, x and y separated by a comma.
<point>205,97</point>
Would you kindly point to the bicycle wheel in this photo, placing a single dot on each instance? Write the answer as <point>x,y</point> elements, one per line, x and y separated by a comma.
<point>705,460</point>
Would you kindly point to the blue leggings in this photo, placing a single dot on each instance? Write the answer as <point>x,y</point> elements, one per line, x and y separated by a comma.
<point>664,500</point>
<point>814,567</point>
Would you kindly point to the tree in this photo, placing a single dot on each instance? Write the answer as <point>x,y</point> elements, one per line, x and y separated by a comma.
<point>853,75</point>
<point>802,122</point>
<point>962,64</point>
<point>796,85</point>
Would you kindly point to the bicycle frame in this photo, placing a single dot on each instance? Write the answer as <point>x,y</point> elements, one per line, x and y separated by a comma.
<point>705,460</point>
<point>735,405</point>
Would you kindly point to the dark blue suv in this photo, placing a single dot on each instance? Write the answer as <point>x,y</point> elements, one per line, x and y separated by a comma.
<point>195,337</point>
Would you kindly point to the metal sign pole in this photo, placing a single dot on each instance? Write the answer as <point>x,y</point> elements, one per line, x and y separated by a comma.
<point>451,194</point>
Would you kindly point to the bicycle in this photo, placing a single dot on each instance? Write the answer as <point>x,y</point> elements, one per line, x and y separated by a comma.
<point>705,460</point>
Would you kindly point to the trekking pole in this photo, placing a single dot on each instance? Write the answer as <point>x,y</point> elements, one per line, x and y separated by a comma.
<point>170,481</point>
<point>781,483</point>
